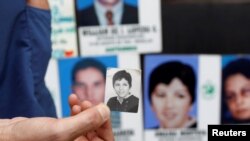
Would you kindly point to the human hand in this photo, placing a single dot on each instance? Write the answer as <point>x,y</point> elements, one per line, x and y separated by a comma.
<point>99,134</point>
<point>42,4</point>
<point>92,119</point>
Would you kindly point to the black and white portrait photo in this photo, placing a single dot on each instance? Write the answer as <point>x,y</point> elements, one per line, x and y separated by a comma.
<point>123,87</point>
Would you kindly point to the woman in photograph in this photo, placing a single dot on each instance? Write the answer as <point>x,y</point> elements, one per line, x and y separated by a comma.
<point>236,92</point>
<point>172,94</point>
<point>124,101</point>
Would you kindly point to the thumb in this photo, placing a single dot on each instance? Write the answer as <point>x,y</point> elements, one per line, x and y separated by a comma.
<point>86,121</point>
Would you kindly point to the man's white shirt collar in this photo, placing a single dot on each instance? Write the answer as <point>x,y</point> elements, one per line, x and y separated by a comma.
<point>117,11</point>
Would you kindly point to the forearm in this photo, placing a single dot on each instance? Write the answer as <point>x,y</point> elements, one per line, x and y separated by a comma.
<point>4,127</point>
<point>43,4</point>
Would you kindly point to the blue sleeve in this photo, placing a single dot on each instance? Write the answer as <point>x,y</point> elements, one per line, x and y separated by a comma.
<point>22,87</point>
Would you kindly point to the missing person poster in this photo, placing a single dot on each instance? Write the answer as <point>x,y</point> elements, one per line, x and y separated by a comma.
<point>123,89</point>
<point>123,95</point>
<point>64,39</point>
<point>115,26</point>
<point>235,98</point>
<point>181,96</point>
<point>86,77</point>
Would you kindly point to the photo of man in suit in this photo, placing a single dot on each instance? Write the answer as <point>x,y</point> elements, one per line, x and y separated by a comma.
<point>107,12</point>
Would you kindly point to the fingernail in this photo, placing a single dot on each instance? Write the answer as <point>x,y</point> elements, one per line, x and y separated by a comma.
<point>104,111</point>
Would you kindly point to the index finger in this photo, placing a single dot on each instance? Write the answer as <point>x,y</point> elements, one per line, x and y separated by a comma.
<point>73,100</point>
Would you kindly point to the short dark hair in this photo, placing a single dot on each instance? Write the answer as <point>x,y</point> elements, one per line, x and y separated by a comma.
<point>241,66</point>
<point>166,72</point>
<point>122,74</point>
<point>87,63</point>
<point>238,66</point>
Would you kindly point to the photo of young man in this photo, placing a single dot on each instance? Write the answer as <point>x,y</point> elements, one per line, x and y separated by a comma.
<point>88,77</point>
<point>84,77</point>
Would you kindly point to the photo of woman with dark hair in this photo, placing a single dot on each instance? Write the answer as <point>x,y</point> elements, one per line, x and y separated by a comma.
<point>125,101</point>
<point>172,87</point>
<point>236,92</point>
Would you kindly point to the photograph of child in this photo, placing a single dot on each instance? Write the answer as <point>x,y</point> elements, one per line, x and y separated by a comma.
<point>123,85</point>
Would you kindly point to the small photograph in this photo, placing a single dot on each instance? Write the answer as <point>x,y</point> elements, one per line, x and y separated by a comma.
<point>123,87</point>
<point>235,106</point>
<point>170,91</point>
<point>115,26</point>
<point>106,12</point>
<point>84,77</point>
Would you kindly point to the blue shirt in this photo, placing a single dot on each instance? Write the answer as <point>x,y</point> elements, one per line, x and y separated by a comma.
<point>25,49</point>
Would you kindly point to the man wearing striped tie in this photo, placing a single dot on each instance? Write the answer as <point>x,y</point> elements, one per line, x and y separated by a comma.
<point>107,13</point>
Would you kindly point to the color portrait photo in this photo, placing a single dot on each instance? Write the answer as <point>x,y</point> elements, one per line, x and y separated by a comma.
<point>85,77</point>
<point>116,26</point>
<point>235,98</point>
<point>170,92</point>
<point>106,12</point>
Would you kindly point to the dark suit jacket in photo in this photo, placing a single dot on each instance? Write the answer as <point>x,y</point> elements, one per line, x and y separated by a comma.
<point>88,17</point>
<point>129,104</point>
